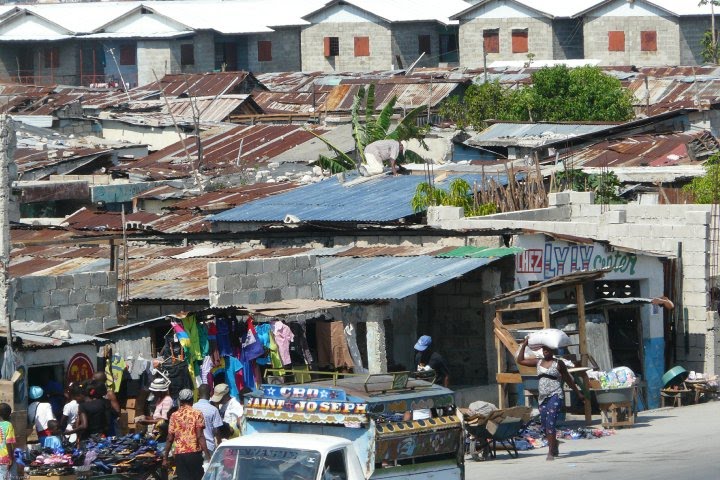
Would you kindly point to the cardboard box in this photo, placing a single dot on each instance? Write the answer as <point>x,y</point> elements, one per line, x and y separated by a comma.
<point>19,420</point>
<point>7,392</point>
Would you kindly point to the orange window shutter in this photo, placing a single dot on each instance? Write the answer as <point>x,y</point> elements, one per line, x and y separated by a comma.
<point>520,41</point>
<point>648,41</point>
<point>616,41</point>
<point>326,45</point>
<point>362,46</point>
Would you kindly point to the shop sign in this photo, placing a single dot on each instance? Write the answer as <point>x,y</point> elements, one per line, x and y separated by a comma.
<point>558,259</point>
<point>79,368</point>
<point>306,406</point>
<point>304,393</point>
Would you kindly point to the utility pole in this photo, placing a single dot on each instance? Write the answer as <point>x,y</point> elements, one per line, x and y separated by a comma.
<point>7,150</point>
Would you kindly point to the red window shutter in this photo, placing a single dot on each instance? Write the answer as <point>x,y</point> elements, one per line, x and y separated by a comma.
<point>648,41</point>
<point>616,41</point>
<point>362,46</point>
<point>491,41</point>
<point>424,44</point>
<point>264,50</point>
<point>127,55</point>
<point>519,41</point>
<point>326,45</point>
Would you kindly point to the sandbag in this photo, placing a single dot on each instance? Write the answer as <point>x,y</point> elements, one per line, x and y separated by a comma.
<point>548,337</point>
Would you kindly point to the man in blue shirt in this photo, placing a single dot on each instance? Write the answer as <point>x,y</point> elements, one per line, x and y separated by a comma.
<point>213,420</point>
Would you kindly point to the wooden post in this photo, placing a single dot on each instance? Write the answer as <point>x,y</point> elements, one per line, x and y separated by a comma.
<point>545,312</point>
<point>500,369</point>
<point>582,333</point>
<point>7,150</point>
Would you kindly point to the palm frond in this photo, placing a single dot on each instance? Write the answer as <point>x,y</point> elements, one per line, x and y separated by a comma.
<point>410,156</point>
<point>333,164</point>
<point>342,158</point>
<point>407,128</point>
<point>382,124</point>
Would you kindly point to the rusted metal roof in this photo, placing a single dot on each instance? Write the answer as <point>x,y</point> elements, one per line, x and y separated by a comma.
<point>394,251</point>
<point>206,84</point>
<point>231,197</point>
<point>225,152</point>
<point>688,148</point>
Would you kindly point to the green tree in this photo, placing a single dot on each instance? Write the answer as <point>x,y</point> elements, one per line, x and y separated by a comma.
<point>368,128</point>
<point>459,194</point>
<point>604,185</point>
<point>706,189</point>
<point>709,42</point>
<point>557,94</point>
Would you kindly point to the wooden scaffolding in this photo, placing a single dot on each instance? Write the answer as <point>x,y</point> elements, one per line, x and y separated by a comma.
<point>507,303</point>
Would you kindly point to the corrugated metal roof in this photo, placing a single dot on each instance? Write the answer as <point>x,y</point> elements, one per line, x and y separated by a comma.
<point>532,134</point>
<point>408,10</point>
<point>670,149</point>
<point>387,278</point>
<point>381,198</point>
<point>552,8</point>
<point>481,252</point>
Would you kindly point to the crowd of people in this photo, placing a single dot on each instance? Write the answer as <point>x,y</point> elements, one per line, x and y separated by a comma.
<point>191,430</point>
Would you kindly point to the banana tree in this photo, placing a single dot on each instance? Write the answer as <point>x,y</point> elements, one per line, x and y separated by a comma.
<point>367,128</point>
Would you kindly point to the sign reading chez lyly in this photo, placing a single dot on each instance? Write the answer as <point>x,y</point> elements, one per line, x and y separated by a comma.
<point>558,259</point>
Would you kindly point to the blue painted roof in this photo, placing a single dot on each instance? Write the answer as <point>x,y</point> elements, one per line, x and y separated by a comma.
<point>386,278</point>
<point>383,198</point>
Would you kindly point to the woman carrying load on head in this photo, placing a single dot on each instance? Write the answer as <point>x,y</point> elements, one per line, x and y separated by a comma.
<point>551,372</point>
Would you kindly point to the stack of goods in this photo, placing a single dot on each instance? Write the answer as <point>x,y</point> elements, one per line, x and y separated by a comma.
<point>44,463</point>
<point>532,436</point>
<point>127,454</point>
<point>549,337</point>
<point>620,377</point>
<point>131,454</point>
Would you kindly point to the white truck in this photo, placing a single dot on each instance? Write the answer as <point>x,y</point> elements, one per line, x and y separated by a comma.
<point>356,428</point>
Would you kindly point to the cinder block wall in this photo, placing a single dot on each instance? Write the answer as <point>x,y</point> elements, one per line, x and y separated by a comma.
<point>263,280</point>
<point>86,301</point>
<point>313,58</point>
<point>157,56</point>
<point>668,40</point>
<point>540,39</point>
<point>204,43</point>
<point>68,69</point>
<point>692,30</point>
<point>285,51</point>
<point>405,43</point>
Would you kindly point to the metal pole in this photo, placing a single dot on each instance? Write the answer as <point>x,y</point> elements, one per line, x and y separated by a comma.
<point>7,149</point>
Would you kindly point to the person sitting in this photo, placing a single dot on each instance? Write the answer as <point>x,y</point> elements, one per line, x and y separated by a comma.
<point>53,440</point>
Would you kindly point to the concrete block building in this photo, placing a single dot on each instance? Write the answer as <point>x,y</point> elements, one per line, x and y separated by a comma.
<point>519,30</point>
<point>644,33</point>
<point>365,35</point>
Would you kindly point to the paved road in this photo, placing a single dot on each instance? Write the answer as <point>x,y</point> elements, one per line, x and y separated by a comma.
<point>673,444</point>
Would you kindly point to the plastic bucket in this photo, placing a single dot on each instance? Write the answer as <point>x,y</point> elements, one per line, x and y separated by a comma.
<point>674,376</point>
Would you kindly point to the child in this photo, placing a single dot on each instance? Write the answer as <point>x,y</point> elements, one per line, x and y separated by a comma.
<point>7,442</point>
<point>53,441</point>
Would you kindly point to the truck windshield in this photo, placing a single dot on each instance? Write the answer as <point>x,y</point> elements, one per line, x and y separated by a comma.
<point>262,463</point>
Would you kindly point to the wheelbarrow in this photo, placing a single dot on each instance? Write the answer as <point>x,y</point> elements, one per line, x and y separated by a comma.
<point>485,432</point>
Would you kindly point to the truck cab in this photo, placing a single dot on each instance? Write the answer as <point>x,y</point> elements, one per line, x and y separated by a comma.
<point>354,428</point>
<point>277,456</point>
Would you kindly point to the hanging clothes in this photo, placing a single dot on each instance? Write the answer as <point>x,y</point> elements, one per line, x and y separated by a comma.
<point>283,337</point>
<point>223,337</point>
<point>212,341</point>
<point>204,341</point>
<point>205,369</point>
<point>191,328</point>
<point>332,346</point>
<point>263,336</point>
<point>251,347</point>
<point>232,366</point>
<point>179,376</point>
<point>300,346</point>
<point>114,372</point>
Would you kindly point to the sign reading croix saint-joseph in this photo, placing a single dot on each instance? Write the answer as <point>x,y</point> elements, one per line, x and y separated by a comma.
<point>305,400</point>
